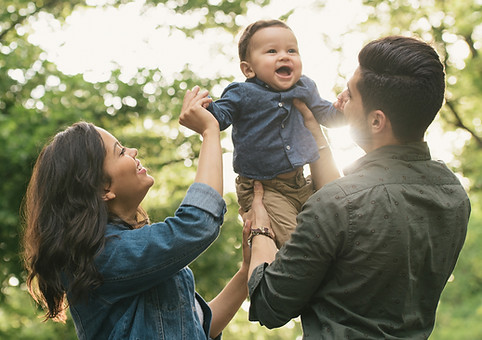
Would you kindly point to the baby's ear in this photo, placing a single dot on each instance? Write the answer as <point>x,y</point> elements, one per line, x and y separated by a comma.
<point>247,69</point>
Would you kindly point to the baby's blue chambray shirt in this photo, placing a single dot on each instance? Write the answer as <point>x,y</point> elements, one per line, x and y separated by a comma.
<point>148,290</point>
<point>268,132</point>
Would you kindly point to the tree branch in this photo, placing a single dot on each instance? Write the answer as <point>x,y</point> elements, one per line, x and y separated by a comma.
<point>18,21</point>
<point>460,124</point>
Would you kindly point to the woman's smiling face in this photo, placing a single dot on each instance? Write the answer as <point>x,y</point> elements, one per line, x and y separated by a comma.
<point>128,179</point>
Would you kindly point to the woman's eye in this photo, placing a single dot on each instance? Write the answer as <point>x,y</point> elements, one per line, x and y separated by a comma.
<point>123,151</point>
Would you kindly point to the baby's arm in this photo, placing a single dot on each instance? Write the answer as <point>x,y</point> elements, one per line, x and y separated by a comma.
<point>226,108</point>
<point>325,112</point>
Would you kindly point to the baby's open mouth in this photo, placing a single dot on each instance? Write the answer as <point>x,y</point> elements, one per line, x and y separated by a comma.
<point>284,71</point>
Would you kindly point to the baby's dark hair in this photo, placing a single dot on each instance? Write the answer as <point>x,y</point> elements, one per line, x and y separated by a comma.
<point>243,45</point>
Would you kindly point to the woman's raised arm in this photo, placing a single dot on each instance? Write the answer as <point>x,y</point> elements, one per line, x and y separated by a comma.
<point>195,117</point>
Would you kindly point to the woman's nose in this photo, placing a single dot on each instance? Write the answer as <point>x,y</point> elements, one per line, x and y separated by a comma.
<point>132,152</point>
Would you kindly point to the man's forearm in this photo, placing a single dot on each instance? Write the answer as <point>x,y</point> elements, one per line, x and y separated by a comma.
<point>263,249</point>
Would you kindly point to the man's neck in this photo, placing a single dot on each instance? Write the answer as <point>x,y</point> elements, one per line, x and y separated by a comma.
<point>380,141</point>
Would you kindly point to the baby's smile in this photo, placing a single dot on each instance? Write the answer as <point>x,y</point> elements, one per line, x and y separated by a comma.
<point>284,71</point>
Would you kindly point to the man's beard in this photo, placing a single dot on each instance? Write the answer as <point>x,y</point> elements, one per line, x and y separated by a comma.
<point>361,134</point>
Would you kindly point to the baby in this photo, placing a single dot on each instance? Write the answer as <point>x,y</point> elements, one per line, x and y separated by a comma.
<point>271,143</point>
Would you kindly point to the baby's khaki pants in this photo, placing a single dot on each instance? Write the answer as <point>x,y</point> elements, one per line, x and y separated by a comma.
<point>283,198</point>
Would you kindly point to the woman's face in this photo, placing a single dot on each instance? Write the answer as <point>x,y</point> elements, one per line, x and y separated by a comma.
<point>129,181</point>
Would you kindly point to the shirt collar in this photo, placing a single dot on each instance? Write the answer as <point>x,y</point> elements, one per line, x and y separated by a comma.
<point>258,81</point>
<point>417,151</point>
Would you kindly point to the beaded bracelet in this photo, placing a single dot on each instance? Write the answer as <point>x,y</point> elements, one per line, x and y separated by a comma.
<point>259,231</point>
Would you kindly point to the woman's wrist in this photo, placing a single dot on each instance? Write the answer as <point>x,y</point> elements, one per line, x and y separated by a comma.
<point>212,129</point>
<point>212,132</point>
<point>244,269</point>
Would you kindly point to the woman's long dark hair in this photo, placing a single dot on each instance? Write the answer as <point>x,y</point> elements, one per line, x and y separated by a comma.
<point>65,218</point>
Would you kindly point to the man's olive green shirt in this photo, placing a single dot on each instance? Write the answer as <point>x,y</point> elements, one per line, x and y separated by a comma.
<point>371,253</point>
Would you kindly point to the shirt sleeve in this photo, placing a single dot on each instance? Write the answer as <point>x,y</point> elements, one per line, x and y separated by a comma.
<point>281,290</point>
<point>225,108</point>
<point>323,110</point>
<point>135,260</point>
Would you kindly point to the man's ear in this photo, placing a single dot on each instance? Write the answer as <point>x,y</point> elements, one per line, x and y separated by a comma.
<point>108,195</point>
<point>378,121</point>
<point>247,69</point>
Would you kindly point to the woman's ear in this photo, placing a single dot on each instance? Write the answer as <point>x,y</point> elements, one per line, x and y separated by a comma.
<point>108,195</point>
<point>247,69</point>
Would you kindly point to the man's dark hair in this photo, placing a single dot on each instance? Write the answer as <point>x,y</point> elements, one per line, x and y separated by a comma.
<point>404,78</point>
<point>243,45</point>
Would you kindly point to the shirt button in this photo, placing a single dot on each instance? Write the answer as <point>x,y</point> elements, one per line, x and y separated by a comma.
<point>288,147</point>
<point>280,104</point>
<point>282,126</point>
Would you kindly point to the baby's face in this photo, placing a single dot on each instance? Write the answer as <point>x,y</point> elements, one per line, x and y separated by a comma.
<point>274,57</point>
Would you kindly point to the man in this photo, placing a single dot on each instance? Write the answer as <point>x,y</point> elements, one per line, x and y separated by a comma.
<point>374,249</point>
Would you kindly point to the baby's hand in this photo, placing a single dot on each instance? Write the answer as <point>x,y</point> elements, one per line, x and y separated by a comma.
<point>341,100</point>
<point>206,104</point>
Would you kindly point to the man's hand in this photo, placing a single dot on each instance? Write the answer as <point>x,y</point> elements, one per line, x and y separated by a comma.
<point>324,169</point>
<point>310,122</point>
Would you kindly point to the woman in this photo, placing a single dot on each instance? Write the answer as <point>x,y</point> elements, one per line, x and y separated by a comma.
<point>89,245</point>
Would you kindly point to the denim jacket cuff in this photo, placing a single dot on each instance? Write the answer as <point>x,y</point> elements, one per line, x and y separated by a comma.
<point>204,197</point>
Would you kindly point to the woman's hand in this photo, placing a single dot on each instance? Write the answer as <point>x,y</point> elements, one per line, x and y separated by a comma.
<point>195,117</point>
<point>246,247</point>
<point>193,113</point>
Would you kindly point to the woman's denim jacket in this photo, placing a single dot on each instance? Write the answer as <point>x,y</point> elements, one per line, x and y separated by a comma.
<point>148,290</point>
